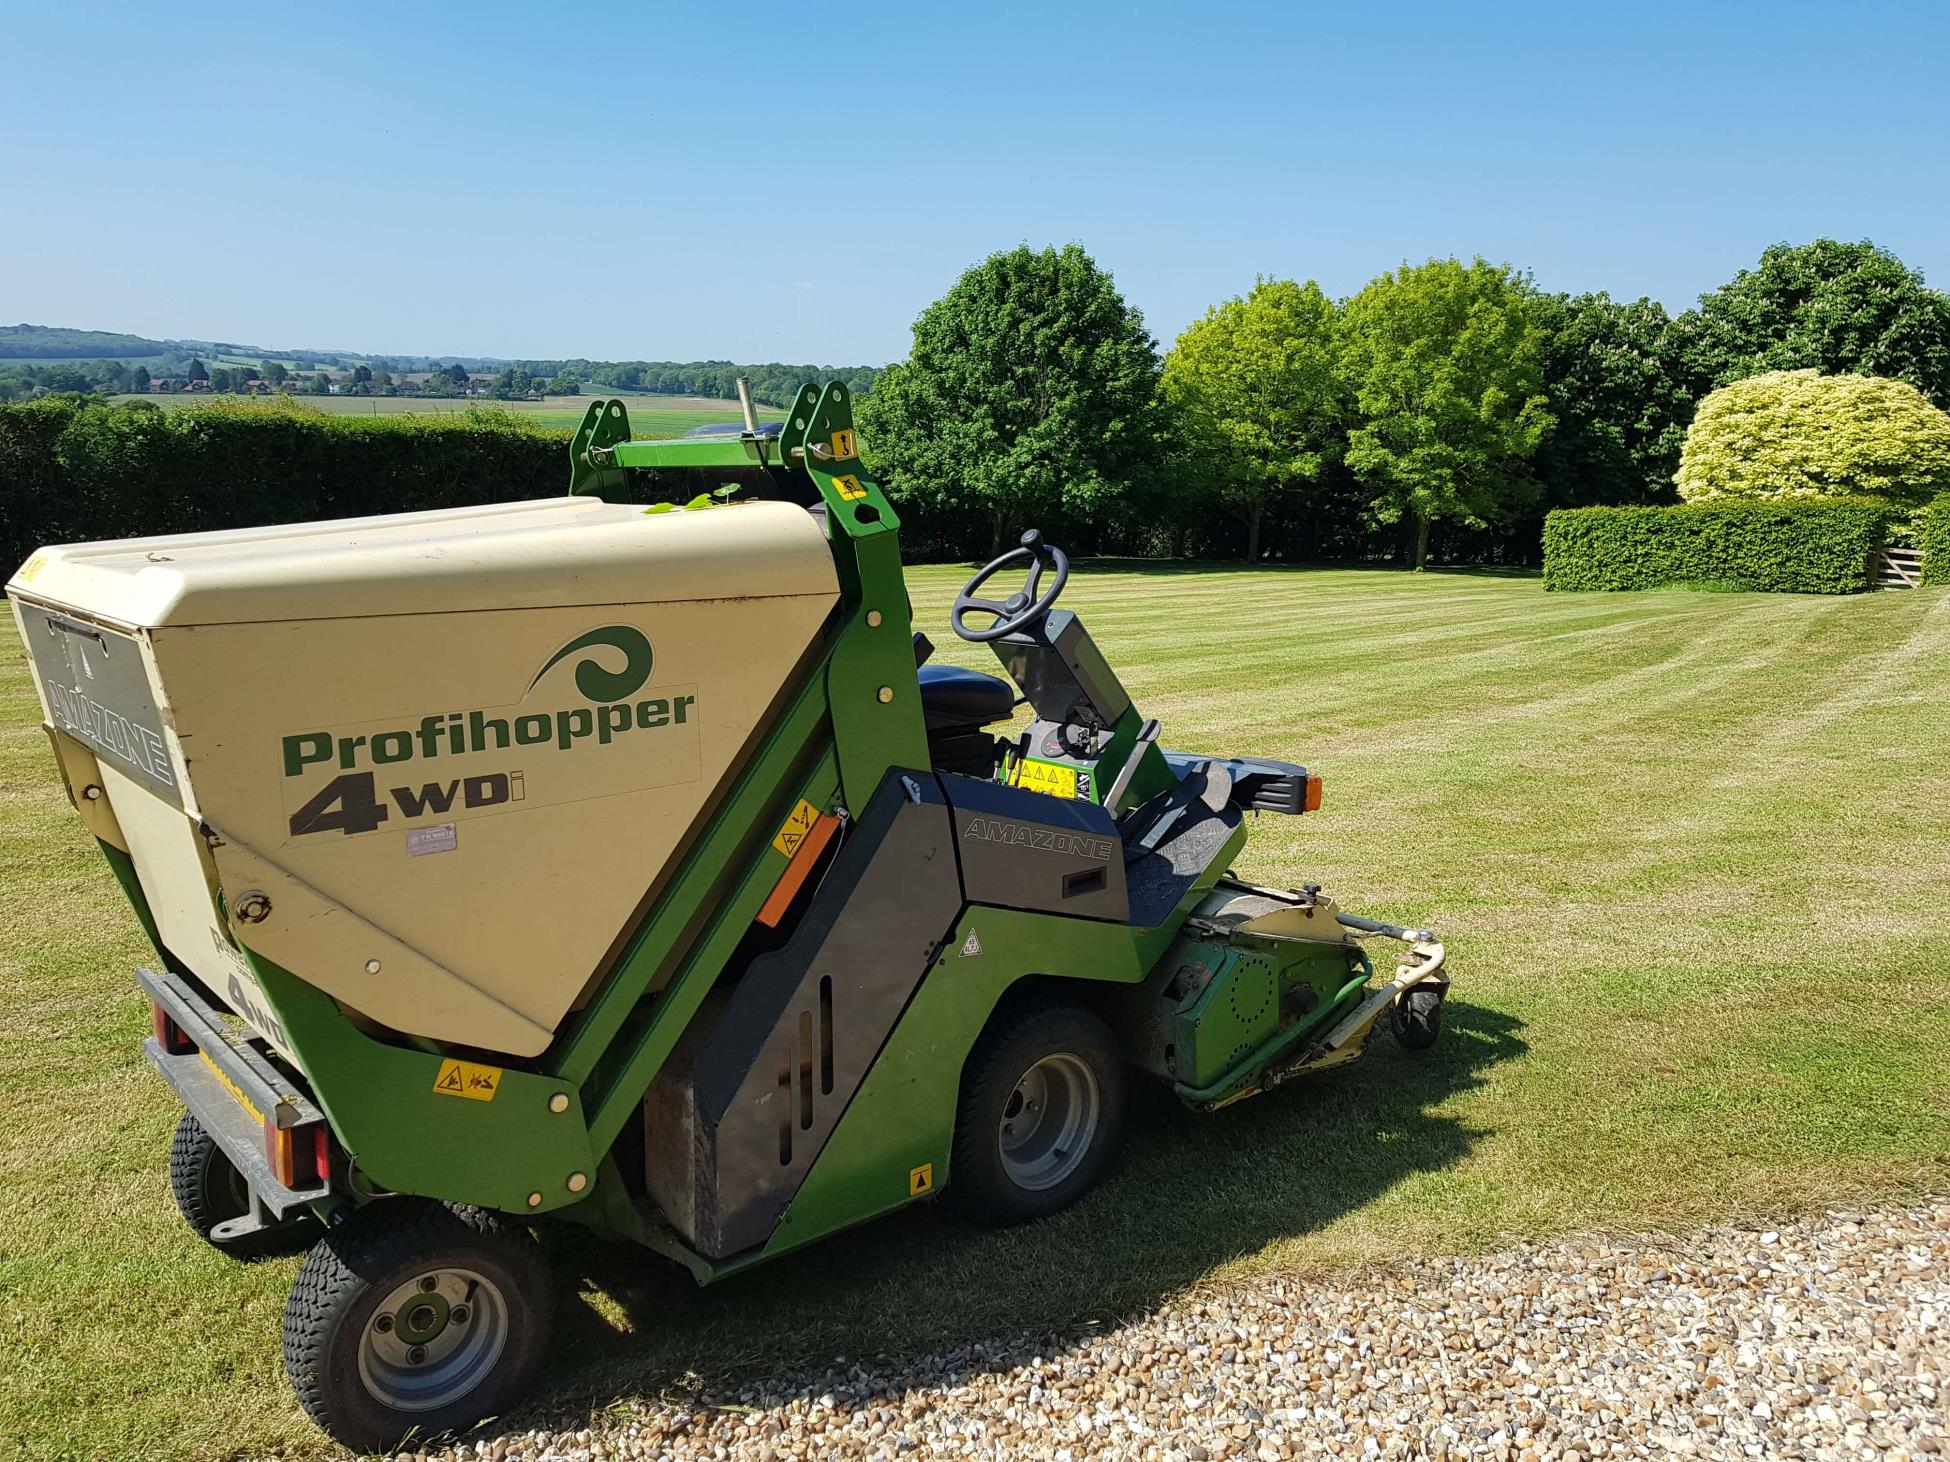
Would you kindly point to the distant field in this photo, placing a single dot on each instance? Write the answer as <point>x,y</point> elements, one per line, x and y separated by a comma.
<point>650,416</point>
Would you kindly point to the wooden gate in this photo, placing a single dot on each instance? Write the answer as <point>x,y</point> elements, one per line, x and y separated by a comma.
<point>1895,568</point>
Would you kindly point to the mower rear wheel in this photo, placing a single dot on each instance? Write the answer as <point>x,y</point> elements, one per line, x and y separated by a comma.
<point>414,1318</point>
<point>1042,1103</point>
<point>1416,1017</point>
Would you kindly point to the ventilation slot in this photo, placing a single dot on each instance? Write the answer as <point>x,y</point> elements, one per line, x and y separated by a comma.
<point>805,1070</point>
<point>785,1114</point>
<point>825,1035</point>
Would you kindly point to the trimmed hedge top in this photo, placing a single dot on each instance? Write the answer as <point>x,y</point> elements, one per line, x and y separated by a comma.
<point>75,473</point>
<point>1778,548</point>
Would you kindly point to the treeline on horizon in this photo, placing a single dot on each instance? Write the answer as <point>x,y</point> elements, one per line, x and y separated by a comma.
<point>45,361</point>
<point>1436,414</point>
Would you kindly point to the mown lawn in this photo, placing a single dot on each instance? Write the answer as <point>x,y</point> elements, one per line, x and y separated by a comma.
<point>1689,851</point>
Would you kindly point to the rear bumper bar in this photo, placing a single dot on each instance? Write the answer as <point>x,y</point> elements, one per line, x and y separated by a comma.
<point>234,1092</point>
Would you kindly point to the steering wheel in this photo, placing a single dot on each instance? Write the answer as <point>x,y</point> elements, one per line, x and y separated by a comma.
<point>1022,608</point>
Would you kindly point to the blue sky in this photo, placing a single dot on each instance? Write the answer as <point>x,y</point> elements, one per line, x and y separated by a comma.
<point>763,182</point>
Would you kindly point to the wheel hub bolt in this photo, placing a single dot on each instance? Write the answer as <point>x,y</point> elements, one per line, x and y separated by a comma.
<point>458,1314</point>
<point>417,1354</point>
<point>384,1324</point>
<point>428,1283</point>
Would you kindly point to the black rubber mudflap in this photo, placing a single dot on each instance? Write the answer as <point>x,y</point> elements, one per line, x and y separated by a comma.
<point>744,1107</point>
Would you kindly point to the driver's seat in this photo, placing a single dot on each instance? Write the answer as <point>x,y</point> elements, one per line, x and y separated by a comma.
<point>954,699</point>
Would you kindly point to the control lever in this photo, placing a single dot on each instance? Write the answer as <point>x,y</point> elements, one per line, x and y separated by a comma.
<point>1147,734</point>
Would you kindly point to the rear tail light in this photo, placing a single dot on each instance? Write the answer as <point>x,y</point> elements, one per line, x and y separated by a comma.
<point>300,1157</point>
<point>1312,801</point>
<point>169,1035</point>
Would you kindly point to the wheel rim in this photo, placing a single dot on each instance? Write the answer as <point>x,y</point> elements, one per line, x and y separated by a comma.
<point>433,1339</point>
<point>1049,1122</point>
<point>237,1190</point>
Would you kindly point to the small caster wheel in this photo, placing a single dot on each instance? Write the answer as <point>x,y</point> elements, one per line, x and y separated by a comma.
<point>413,1318</point>
<point>1416,1017</point>
<point>209,1190</point>
<point>212,1195</point>
<point>1042,1103</point>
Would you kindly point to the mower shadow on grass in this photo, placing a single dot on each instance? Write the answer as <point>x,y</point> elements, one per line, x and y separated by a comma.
<point>1190,1192</point>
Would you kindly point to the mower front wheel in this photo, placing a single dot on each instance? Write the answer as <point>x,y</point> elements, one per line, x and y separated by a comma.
<point>1042,1104</point>
<point>1416,1017</point>
<point>412,1319</point>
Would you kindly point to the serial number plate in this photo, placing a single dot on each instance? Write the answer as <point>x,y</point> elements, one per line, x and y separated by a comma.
<point>1045,776</point>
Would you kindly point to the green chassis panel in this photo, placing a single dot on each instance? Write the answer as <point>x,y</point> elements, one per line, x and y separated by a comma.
<point>407,1136</point>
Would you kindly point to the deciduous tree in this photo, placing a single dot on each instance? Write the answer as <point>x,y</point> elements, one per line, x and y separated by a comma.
<point>1256,395</point>
<point>1620,391</point>
<point>1825,306</point>
<point>1030,386</point>
<point>1799,434</point>
<point>1444,362</point>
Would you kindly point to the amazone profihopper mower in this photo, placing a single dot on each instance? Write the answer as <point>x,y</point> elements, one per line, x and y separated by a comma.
<point>567,861</point>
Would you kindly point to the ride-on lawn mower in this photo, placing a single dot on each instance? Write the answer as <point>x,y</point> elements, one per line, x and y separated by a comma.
<point>572,861</point>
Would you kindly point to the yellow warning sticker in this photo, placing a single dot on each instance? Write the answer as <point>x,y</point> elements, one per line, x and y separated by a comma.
<point>797,825</point>
<point>465,1079</point>
<point>1045,776</point>
<point>844,447</point>
<point>849,488</point>
<point>34,565</point>
<point>920,1180</point>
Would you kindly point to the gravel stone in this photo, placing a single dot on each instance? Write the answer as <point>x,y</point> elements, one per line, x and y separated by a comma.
<point>1823,1340</point>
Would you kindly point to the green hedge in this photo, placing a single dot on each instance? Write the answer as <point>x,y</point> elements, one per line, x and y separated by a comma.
<point>1933,537</point>
<point>1807,547</point>
<point>74,472</point>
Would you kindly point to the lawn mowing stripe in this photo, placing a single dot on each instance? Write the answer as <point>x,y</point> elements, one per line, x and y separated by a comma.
<point>1686,987</point>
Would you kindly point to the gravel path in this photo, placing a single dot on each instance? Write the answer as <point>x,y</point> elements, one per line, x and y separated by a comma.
<point>1827,1339</point>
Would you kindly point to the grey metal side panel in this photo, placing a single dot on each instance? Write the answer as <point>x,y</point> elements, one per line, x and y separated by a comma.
<point>804,1024</point>
<point>98,692</point>
<point>1025,850</point>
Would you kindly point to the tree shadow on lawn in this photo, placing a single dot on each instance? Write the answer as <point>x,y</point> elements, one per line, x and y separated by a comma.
<point>1189,1192</point>
<point>1178,567</point>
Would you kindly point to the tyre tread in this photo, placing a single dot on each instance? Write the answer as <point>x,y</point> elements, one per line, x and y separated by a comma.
<point>373,1241</point>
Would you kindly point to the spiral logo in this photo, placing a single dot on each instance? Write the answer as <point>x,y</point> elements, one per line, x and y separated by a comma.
<point>594,681</point>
